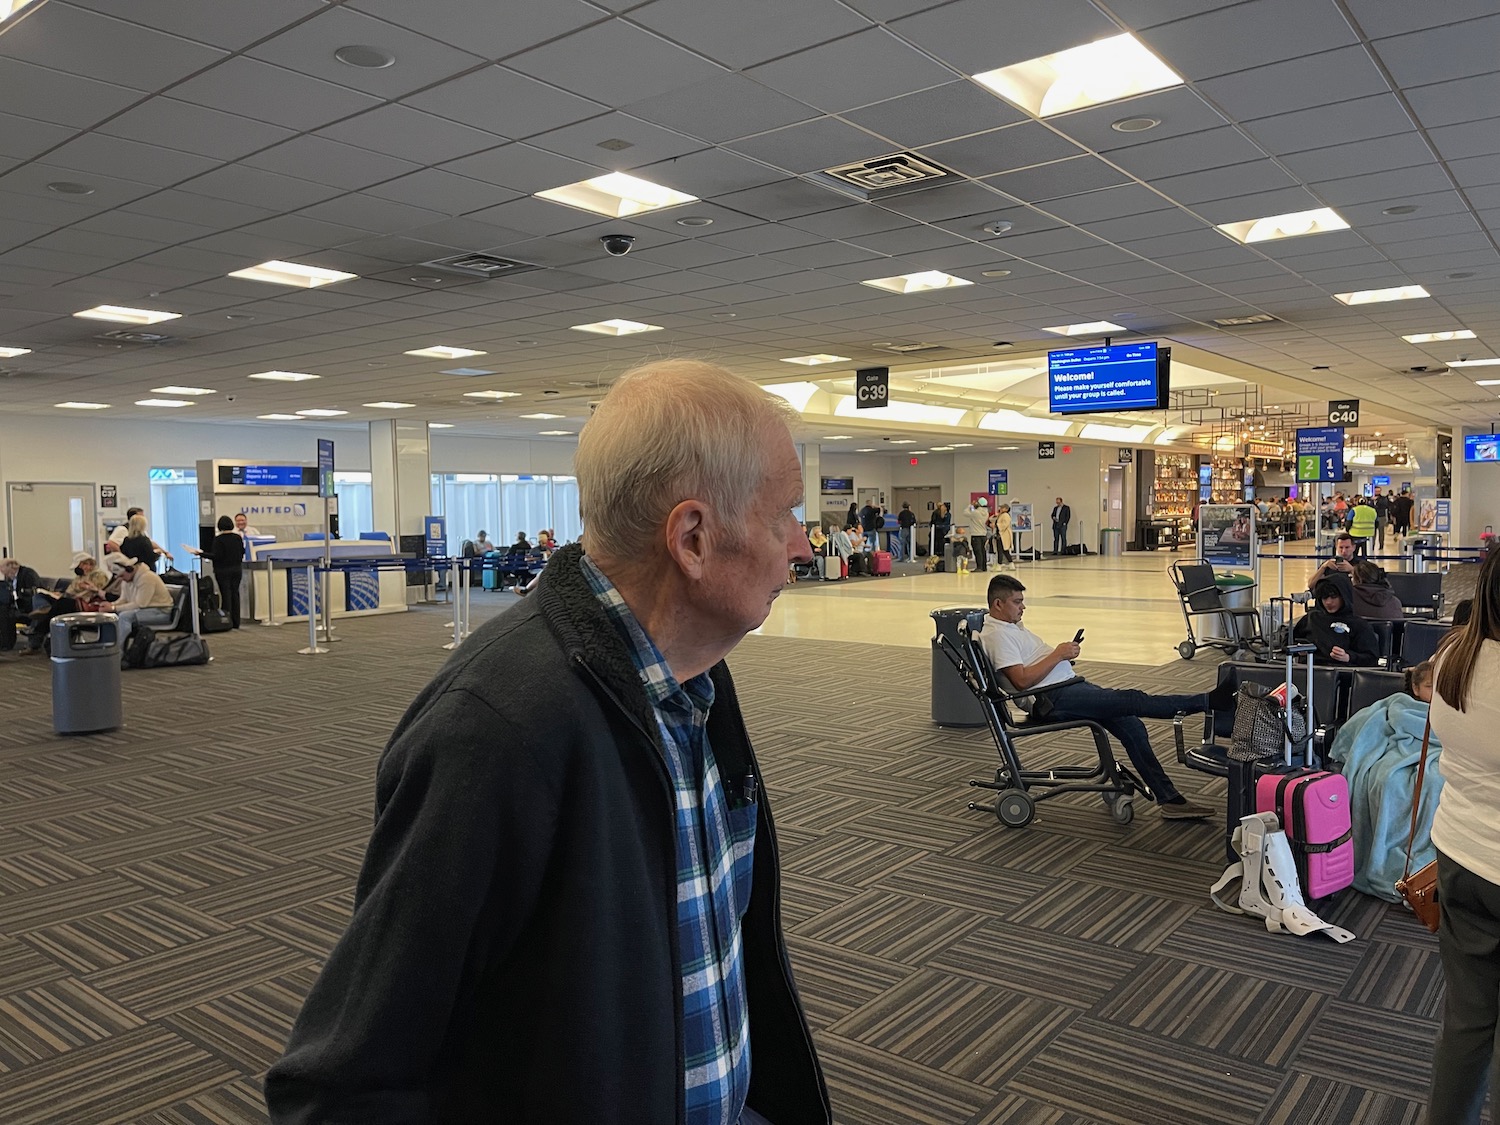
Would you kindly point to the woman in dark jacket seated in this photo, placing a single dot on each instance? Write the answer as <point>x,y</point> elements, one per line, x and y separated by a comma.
<point>1373,598</point>
<point>1341,637</point>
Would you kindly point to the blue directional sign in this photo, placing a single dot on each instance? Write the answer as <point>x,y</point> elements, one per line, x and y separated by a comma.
<point>1320,454</point>
<point>999,482</point>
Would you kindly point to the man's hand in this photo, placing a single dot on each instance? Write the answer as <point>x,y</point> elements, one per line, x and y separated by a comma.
<point>1068,650</point>
<point>1339,654</point>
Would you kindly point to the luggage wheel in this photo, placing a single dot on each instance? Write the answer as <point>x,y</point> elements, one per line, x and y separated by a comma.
<point>1015,808</point>
<point>1186,649</point>
<point>1122,810</point>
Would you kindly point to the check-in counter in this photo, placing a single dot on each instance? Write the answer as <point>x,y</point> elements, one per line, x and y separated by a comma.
<point>277,579</point>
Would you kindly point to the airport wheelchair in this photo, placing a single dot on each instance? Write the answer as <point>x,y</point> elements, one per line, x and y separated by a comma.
<point>1199,593</point>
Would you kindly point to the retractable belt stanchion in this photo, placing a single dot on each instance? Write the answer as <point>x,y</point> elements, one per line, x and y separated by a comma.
<point>270,593</point>
<point>312,614</point>
<point>1281,567</point>
<point>458,634</point>
<point>468,589</point>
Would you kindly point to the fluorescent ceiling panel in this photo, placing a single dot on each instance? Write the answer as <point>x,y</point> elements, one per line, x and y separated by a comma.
<point>616,195</point>
<point>119,314</point>
<point>815,360</point>
<point>1438,337</point>
<point>293,274</point>
<point>1376,296</point>
<point>1292,225</point>
<point>1095,73</point>
<point>616,327</point>
<point>284,376</point>
<point>916,282</point>
<point>443,351</point>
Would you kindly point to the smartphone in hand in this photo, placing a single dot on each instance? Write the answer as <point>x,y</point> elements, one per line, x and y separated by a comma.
<point>1078,637</point>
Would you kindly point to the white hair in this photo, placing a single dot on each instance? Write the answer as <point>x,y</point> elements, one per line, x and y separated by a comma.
<point>666,432</point>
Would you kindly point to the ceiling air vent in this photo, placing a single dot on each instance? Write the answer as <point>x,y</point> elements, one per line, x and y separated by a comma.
<point>485,266</point>
<point>133,336</point>
<point>1242,321</point>
<point>886,176</point>
<point>909,349</point>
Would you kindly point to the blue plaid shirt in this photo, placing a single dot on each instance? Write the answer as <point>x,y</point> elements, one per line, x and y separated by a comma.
<point>715,843</point>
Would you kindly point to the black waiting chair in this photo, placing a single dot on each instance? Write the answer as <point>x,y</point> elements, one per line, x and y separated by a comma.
<point>1368,686</point>
<point>1389,634</point>
<point>1419,594</point>
<point>1420,640</point>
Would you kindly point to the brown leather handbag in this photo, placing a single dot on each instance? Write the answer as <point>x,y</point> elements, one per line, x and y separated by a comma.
<point>1420,891</point>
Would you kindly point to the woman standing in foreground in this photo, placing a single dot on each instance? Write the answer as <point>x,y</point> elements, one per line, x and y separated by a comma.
<point>1466,831</point>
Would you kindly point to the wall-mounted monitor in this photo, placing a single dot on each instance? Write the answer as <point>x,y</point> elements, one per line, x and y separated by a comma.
<point>838,486</point>
<point>1482,447</point>
<point>1107,379</point>
<point>268,476</point>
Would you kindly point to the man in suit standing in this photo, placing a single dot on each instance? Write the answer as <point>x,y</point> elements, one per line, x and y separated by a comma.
<point>1062,515</point>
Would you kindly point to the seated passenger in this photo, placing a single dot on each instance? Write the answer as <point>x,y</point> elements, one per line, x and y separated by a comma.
<point>1331,625</point>
<point>1341,563</point>
<point>144,599</point>
<point>18,585</point>
<point>1378,749</point>
<point>1027,661</point>
<point>1374,599</point>
<point>521,543</point>
<point>482,543</point>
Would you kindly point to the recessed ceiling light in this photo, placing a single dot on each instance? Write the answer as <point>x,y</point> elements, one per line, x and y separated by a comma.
<point>439,425</point>
<point>1400,209</point>
<point>543,416</point>
<point>81,405</point>
<point>366,58</point>
<point>1238,321</point>
<point>238,316</point>
<point>963,445</point>
<point>425,279</point>
<point>903,441</point>
<point>389,405</point>
<point>1134,124</point>
<point>319,412</point>
<point>1292,225</point>
<point>1095,73</point>
<point>284,376</point>
<point>182,391</point>
<point>616,195</point>
<point>916,282</point>
<point>695,221</point>
<point>282,417</point>
<point>492,394</point>
<point>864,451</point>
<point>1007,448</point>
<point>1375,296</point>
<point>1474,363</point>
<point>168,402</point>
<point>468,371</point>
<point>1093,328</point>
<point>1487,383</point>
<point>616,327</point>
<point>122,315</point>
<point>995,273</point>
<point>11,353</point>
<point>555,433</point>
<point>9,8</point>
<point>936,449</point>
<point>524,343</point>
<point>723,315</point>
<point>1438,337</point>
<point>292,273</point>
<point>814,360</point>
<point>444,351</point>
<point>838,437</point>
<point>65,187</point>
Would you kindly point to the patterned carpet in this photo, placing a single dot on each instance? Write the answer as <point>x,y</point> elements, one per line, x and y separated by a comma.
<point>167,892</point>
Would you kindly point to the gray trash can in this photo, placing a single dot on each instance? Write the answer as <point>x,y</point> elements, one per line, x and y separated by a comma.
<point>1236,591</point>
<point>953,704</point>
<point>1111,541</point>
<point>1417,552</point>
<point>86,673</point>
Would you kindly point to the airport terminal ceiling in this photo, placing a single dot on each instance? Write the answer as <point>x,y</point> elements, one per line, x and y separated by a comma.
<point>1237,196</point>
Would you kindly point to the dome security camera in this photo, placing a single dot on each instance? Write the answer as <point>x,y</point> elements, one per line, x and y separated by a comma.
<point>228,398</point>
<point>617,245</point>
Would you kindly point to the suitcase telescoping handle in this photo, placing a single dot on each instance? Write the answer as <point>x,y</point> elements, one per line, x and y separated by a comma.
<point>1292,652</point>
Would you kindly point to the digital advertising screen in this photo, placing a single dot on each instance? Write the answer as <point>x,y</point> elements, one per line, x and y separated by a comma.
<point>1482,447</point>
<point>1105,379</point>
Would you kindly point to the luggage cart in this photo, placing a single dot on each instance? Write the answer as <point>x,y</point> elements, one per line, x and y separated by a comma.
<point>1200,596</point>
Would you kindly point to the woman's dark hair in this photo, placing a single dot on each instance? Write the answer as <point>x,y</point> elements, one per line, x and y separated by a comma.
<point>1328,589</point>
<point>1462,612</point>
<point>1416,676</point>
<point>226,524</point>
<point>1462,651</point>
<point>1367,573</point>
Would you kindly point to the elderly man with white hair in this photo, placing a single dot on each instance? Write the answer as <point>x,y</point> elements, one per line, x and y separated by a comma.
<point>569,912</point>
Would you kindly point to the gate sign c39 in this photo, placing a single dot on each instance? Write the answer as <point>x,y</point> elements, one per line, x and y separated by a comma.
<point>872,388</point>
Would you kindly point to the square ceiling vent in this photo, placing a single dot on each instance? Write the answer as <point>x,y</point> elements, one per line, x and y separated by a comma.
<point>133,336</point>
<point>486,266</point>
<point>909,349</point>
<point>886,176</point>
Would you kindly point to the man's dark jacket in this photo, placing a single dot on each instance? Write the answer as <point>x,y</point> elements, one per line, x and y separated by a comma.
<point>513,956</point>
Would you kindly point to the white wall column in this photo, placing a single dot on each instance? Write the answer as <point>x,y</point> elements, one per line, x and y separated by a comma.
<point>400,475</point>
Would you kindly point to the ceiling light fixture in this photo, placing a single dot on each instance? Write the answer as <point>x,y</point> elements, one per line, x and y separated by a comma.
<point>1474,363</point>
<point>9,8</point>
<point>916,282</point>
<point>1093,328</point>
<point>995,273</point>
<point>903,441</point>
<point>814,360</point>
<point>838,437</point>
<point>293,274</point>
<point>284,376</point>
<point>542,416</point>
<point>1376,296</point>
<point>439,425</point>
<point>1095,73</point>
<point>556,433</point>
<point>1291,225</point>
<point>864,451</point>
<point>390,405</point>
<point>65,187</point>
<point>365,58</point>
<point>695,221</point>
<point>182,391</point>
<point>11,353</point>
<point>616,195</point>
<point>166,402</point>
<point>444,351</point>
<point>1487,383</point>
<point>1438,337</point>
<point>81,405</point>
<point>1400,209</point>
<point>492,394</point>
<point>616,327</point>
<point>122,315</point>
<point>319,412</point>
<point>281,417</point>
<point>963,445</point>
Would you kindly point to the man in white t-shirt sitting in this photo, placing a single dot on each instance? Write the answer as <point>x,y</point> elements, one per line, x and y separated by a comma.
<point>1027,661</point>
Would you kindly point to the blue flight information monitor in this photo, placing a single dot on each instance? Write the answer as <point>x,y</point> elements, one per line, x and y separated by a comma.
<point>1098,380</point>
<point>268,476</point>
<point>1482,447</point>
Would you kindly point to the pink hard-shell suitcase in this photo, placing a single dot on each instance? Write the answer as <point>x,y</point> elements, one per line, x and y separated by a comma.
<point>882,563</point>
<point>1313,807</point>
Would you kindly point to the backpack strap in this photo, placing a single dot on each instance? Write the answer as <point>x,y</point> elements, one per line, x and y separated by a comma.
<point>1416,794</point>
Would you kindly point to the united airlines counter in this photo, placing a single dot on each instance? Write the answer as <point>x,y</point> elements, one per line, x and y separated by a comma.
<point>276,578</point>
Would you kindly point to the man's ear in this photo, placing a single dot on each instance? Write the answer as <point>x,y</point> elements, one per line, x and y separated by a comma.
<point>687,538</point>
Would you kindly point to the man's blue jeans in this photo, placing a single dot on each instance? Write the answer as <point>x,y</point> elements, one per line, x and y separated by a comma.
<point>1120,712</point>
<point>906,555</point>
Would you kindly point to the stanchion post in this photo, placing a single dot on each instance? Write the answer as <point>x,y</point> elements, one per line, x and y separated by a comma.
<point>457,610</point>
<point>312,615</point>
<point>1281,566</point>
<point>270,593</point>
<point>468,596</point>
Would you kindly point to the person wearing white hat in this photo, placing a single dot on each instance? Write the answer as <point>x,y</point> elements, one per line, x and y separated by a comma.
<point>978,517</point>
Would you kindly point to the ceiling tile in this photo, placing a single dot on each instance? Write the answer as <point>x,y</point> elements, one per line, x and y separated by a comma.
<point>1089,208</point>
<point>598,141</point>
<point>1139,14</point>
<point>1133,228</point>
<point>1447,103</point>
<point>1475,138</point>
<point>474,27</point>
<point>23,137</point>
<point>740,35</point>
<point>914,239</point>
<point>1334,76</point>
<point>524,168</point>
<point>1256,205</point>
<point>64,99</point>
<point>656,66</point>
<point>968,34</point>
<point>949,202</point>
<point>1003,150</point>
<point>1240,37</point>
<point>328,162</point>
<point>710,173</point>
<point>259,188</point>
<point>309,49</point>
<point>222,23</point>
<point>271,93</point>
<point>1382,185</point>
<point>851,221</point>
<point>442,191</point>
<point>1213,148</point>
<point>785,199</point>
<point>534,216</point>
<point>762,239</point>
<point>723,108</point>
<point>505,103</point>
<point>406,133</point>
<point>1062,178</point>
<point>366,212</point>
<point>870,66</point>
<point>26,187</point>
<point>209,132</point>
<point>811,146</point>
<point>1220,183</point>
<point>220,214</point>
<point>955,109</point>
<point>81,42</point>
<point>1361,119</point>
<point>1351,159</point>
<point>99,153</point>
<point>1476,171</point>
<point>1438,54</point>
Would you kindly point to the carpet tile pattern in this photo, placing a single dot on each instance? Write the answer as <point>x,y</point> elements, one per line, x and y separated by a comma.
<point>168,891</point>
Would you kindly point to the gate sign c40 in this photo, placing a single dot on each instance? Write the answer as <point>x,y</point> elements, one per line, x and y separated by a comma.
<point>1345,412</point>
